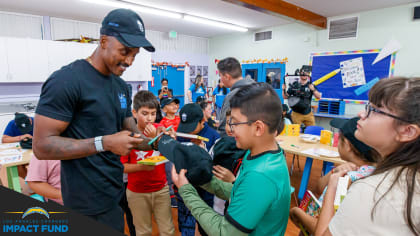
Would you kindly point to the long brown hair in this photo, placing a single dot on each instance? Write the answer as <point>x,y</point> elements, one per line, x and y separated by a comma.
<point>401,96</point>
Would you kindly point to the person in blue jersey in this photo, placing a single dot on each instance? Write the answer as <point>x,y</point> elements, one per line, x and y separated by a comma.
<point>197,89</point>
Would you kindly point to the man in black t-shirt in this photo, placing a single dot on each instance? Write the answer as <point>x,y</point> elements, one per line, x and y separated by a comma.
<point>302,92</point>
<point>84,119</point>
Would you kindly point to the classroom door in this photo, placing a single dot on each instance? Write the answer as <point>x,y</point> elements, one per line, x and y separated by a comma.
<point>253,70</point>
<point>273,74</point>
<point>175,78</point>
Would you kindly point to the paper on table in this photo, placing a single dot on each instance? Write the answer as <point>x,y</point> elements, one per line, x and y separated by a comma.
<point>9,145</point>
<point>10,152</point>
<point>321,152</point>
<point>10,159</point>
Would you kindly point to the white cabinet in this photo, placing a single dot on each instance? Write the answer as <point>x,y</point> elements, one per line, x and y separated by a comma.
<point>4,69</point>
<point>34,60</point>
<point>17,60</point>
<point>141,69</point>
<point>38,61</point>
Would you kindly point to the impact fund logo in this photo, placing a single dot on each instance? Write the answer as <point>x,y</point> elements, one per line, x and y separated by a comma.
<point>40,221</point>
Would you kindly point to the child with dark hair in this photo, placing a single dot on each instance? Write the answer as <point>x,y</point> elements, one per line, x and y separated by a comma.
<point>193,122</point>
<point>147,189</point>
<point>206,107</point>
<point>260,196</point>
<point>388,201</point>
<point>361,161</point>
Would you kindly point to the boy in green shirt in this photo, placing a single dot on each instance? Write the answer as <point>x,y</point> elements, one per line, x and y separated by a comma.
<point>260,196</point>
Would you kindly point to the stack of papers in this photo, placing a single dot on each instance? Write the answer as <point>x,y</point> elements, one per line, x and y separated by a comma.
<point>9,145</point>
<point>6,159</point>
<point>321,152</point>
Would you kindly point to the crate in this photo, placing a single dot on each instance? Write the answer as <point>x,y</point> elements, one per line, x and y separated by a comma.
<point>332,107</point>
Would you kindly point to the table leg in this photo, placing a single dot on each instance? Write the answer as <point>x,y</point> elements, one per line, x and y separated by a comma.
<point>305,177</point>
<point>13,178</point>
<point>327,167</point>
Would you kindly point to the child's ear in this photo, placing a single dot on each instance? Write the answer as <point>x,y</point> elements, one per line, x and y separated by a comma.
<point>134,112</point>
<point>347,145</point>
<point>407,133</point>
<point>260,128</point>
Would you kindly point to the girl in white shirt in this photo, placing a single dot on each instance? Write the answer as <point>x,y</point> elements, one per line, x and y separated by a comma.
<point>387,202</point>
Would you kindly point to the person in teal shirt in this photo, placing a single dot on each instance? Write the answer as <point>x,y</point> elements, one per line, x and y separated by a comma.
<point>197,89</point>
<point>260,196</point>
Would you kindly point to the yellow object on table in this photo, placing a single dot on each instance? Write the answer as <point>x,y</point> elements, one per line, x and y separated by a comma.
<point>293,130</point>
<point>326,137</point>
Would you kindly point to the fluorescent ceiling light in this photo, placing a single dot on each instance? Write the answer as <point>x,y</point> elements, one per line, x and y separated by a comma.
<point>135,7</point>
<point>214,23</point>
<point>155,11</point>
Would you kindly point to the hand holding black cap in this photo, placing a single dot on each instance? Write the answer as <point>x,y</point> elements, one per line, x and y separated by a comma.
<point>196,160</point>
<point>126,26</point>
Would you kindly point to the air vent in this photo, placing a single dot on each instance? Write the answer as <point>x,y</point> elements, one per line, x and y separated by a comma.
<point>343,28</point>
<point>263,36</point>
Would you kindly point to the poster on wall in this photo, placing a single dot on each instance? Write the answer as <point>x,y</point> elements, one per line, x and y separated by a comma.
<point>352,72</point>
<point>192,80</point>
<point>199,70</point>
<point>192,71</point>
<point>205,70</point>
<point>206,81</point>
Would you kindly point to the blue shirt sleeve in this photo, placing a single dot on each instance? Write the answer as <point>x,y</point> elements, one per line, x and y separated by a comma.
<point>215,91</point>
<point>192,88</point>
<point>11,129</point>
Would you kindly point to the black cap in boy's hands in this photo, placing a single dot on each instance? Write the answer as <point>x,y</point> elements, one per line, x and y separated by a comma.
<point>166,101</point>
<point>347,128</point>
<point>127,27</point>
<point>191,114</point>
<point>189,156</point>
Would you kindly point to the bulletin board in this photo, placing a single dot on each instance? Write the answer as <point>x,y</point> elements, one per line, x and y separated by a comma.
<point>326,62</point>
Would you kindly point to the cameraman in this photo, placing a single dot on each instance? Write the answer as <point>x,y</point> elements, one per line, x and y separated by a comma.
<point>302,91</point>
<point>165,92</point>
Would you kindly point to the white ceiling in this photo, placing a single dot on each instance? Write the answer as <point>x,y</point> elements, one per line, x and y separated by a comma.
<point>212,9</point>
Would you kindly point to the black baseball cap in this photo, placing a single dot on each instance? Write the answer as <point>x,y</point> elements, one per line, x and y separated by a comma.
<point>195,159</point>
<point>347,128</point>
<point>166,101</point>
<point>190,115</point>
<point>23,122</point>
<point>127,27</point>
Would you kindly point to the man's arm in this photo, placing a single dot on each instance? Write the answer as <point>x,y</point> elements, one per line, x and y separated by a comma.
<point>130,125</point>
<point>49,145</point>
<point>316,93</point>
<point>284,93</point>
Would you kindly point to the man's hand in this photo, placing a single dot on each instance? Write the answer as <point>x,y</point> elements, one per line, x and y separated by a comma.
<point>150,131</point>
<point>179,179</point>
<point>223,174</point>
<point>121,143</point>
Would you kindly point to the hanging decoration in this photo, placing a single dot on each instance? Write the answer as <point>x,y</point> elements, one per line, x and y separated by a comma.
<point>164,63</point>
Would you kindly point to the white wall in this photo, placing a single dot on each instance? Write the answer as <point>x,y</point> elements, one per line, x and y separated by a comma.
<point>376,28</point>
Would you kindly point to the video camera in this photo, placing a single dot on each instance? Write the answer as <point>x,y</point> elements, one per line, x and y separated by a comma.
<point>296,88</point>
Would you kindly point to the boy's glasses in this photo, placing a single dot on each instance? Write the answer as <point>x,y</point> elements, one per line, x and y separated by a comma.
<point>369,108</point>
<point>232,125</point>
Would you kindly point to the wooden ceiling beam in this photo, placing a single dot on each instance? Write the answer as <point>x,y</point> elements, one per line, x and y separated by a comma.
<point>285,9</point>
